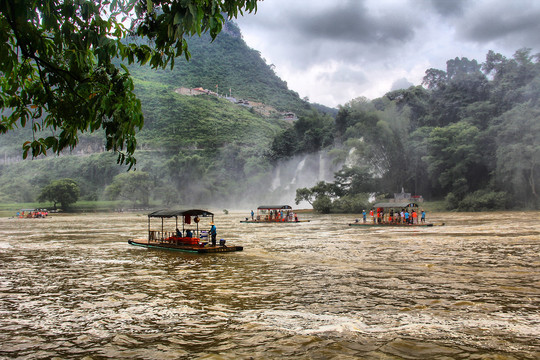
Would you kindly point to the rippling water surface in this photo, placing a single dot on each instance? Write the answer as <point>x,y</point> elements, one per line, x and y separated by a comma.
<point>71,287</point>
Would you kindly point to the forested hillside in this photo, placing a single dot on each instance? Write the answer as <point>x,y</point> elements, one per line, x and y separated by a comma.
<point>201,149</point>
<point>471,136</point>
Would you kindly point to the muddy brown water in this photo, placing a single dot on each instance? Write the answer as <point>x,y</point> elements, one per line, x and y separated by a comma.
<point>72,287</point>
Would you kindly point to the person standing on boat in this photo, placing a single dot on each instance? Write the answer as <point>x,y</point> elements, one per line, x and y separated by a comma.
<point>252,214</point>
<point>423,216</point>
<point>213,232</point>
<point>364,215</point>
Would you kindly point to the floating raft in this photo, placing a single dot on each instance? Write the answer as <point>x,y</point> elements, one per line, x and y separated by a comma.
<point>200,249</point>
<point>367,224</point>
<point>272,221</point>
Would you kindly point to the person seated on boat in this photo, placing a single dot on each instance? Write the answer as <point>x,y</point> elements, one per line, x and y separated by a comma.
<point>189,234</point>
<point>178,233</point>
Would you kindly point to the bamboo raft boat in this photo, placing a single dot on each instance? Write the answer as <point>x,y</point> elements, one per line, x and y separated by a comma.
<point>200,249</point>
<point>274,214</point>
<point>368,224</point>
<point>190,239</point>
<point>388,215</point>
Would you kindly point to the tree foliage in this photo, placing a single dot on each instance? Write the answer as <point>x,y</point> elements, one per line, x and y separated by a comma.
<point>470,137</point>
<point>134,186</point>
<point>64,192</point>
<point>58,71</point>
<point>348,193</point>
<point>310,133</point>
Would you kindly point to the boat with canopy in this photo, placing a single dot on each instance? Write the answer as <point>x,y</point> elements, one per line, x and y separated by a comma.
<point>400,214</point>
<point>274,214</point>
<point>190,239</point>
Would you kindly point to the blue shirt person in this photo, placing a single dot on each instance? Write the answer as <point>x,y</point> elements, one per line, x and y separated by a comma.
<point>213,232</point>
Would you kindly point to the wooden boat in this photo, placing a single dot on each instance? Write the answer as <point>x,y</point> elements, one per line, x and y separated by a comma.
<point>277,214</point>
<point>386,215</point>
<point>190,239</point>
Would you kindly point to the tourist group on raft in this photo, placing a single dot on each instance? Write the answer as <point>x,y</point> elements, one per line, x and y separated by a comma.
<point>395,217</point>
<point>277,215</point>
<point>32,214</point>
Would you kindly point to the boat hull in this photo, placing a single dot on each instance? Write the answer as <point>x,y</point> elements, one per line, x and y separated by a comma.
<point>185,248</point>
<point>394,225</point>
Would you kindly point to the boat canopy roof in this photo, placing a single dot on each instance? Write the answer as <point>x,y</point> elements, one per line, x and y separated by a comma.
<point>268,207</point>
<point>176,213</point>
<point>393,205</point>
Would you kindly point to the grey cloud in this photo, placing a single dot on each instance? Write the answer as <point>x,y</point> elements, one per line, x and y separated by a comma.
<point>519,23</point>
<point>344,30</point>
<point>345,75</point>
<point>352,22</point>
<point>368,44</point>
<point>447,8</point>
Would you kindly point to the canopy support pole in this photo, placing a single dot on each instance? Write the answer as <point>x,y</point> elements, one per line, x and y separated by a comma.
<point>149,229</point>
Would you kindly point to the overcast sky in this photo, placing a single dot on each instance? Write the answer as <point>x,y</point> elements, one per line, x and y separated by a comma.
<point>333,51</point>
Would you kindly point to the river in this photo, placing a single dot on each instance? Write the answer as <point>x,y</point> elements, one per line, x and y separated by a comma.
<point>72,287</point>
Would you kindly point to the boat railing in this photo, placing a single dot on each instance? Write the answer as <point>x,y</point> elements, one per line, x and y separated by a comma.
<point>160,236</point>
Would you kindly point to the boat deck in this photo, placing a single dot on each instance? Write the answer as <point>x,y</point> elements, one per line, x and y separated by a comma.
<point>201,249</point>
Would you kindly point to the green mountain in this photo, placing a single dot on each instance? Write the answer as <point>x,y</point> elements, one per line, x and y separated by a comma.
<point>227,65</point>
<point>196,147</point>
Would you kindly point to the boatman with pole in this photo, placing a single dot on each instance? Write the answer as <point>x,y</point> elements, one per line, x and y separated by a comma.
<point>213,232</point>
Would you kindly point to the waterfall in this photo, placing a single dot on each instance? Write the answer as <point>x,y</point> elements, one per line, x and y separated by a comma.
<point>299,168</point>
<point>322,166</point>
<point>276,181</point>
<point>349,161</point>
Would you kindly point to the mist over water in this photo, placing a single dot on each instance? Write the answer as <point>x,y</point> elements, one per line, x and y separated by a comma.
<point>72,287</point>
